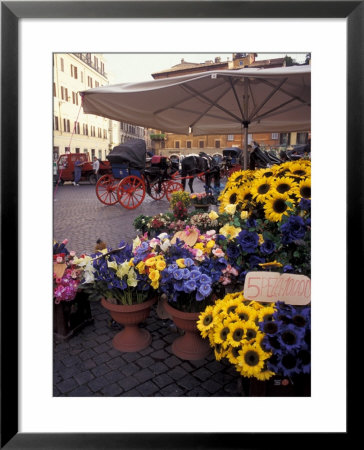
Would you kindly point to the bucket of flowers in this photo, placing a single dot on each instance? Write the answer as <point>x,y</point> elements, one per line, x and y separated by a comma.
<point>111,276</point>
<point>190,281</point>
<point>263,341</point>
<point>71,309</point>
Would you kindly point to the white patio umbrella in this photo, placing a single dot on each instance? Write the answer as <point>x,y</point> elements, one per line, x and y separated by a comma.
<point>215,102</point>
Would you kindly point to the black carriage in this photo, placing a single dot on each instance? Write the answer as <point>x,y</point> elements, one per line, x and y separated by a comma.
<point>131,179</point>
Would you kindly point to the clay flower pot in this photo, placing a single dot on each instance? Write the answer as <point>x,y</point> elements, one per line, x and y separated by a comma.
<point>131,338</point>
<point>190,346</point>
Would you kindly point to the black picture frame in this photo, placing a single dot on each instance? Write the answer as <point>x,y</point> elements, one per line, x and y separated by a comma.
<point>11,12</point>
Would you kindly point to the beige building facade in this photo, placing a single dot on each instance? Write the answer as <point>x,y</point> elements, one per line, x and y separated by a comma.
<point>73,130</point>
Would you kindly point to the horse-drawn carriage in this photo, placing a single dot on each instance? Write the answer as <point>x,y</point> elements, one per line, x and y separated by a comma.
<point>131,180</point>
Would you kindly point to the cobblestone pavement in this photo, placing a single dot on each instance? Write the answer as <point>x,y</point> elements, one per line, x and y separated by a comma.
<point>86,364</point>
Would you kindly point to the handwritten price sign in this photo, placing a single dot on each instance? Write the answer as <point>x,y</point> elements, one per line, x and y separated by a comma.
<point>273,286</point>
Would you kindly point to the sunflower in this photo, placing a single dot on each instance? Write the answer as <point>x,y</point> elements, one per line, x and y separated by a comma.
<point>276,207</point>
<point>299,169</point>
<point>232,354</point>
<point>304,189</point>
<point>245,313</point>
<point>266,314</point>
<point>251,360</point>
<point>262,188</point>
<point>237,334</point>
<point>221,334</point>
<point>285,185</point>
<point>251,330</point>
<point>206,321</point>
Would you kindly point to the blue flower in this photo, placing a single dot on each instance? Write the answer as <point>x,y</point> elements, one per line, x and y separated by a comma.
<point>190,286</point>
<point>204,279</point>
<point>232,251</point>
<point>195,274</point>
<point>205,290</point>
<point>248,241</point>
<point>305,204</point>
<point>254,260</point>
<point>188,262</point>
<point>267,247</point>
<point>186,274</point>
<point>293,230</point>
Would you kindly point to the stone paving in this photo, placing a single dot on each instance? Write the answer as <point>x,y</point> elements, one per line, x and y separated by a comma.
<point>86,364</point>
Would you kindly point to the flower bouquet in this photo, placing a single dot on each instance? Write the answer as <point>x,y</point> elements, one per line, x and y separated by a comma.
<point>261,340</point>
<point>71,309</point>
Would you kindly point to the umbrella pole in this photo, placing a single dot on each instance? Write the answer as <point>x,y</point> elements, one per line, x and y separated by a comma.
<point>246,123</point>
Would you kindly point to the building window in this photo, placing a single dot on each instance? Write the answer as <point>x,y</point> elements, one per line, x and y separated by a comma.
<point>74,71</point>
<point>230,137</point>
<point>75,98</point>
<point>302,138</point>
<point>201,144</point>
<point>177,144</point>
<point>285,138</point>
<point>188,144</point>
<point>217,143</point>
<point>275,136</point>
<point>55,123</point>
<point>62,65</point>
<point>66,125</point>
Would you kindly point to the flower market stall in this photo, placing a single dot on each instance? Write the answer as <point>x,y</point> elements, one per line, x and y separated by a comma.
<point>199,268</point>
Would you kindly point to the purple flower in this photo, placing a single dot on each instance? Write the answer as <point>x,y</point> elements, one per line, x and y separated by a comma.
<point>293,230</point>
<point>248,241</point>
<point>267,247</point>
<point>205,290</point>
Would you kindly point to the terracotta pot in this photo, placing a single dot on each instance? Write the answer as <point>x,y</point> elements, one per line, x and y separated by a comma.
<point>131,338</point>
<point>191,346</point>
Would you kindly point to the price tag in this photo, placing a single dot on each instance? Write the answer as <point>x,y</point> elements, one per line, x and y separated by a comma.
<point>189,238</point>
<point>273,286</point>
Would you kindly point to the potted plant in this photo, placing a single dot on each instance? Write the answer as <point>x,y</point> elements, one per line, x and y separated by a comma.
<point>111,276</point>
<point>71,309</point>
<point>190,282</point>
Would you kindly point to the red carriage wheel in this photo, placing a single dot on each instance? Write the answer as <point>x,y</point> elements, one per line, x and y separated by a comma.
<point>106,190</point>
<point>170,187</point>
<point>157,191</point>
<point>131,192</point>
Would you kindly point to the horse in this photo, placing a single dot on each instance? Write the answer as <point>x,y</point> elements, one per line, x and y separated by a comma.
<point>192,165</point>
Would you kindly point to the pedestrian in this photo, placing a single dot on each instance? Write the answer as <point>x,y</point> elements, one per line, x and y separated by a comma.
<point>96,167</point>
<point>77,171</point>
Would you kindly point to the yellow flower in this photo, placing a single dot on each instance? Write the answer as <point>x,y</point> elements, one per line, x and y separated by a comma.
<point>271,264</point>
<point>244,215</point>
<point>112,265</point>
<point>141,267</point>
<point>230,209</point>
<point>150,261</point>
<point>136,242</point>
<point>181,263</point>
<point>213,215</point>
<point>160,265</point>
<point>229,230</point>
<point>210,244</point>
<point>154,275</point>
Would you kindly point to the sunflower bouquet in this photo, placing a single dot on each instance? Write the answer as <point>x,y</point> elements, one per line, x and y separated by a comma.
<point>270,193</point>
<point>260,339</point>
